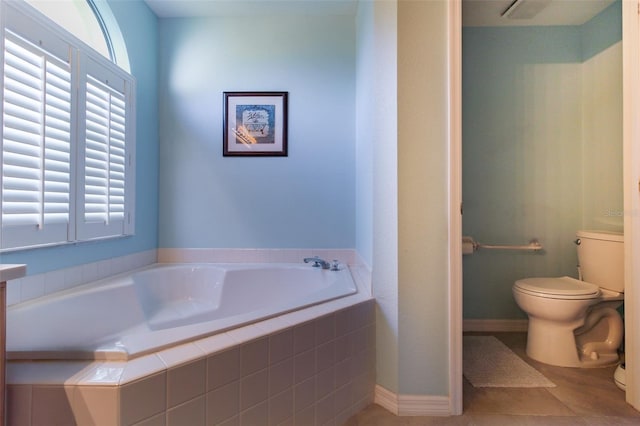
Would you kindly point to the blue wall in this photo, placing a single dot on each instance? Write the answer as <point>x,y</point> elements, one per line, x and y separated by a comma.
<point>139,27</point>
<point>541,150</point>
<point>305,200</point>
<point>182,67</point>
<point>602,31</point>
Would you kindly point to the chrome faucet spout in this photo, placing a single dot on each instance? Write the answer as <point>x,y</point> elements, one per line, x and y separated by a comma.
<point>317,262</point>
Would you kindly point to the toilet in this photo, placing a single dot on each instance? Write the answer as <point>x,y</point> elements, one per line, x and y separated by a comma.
<point>574,322</point>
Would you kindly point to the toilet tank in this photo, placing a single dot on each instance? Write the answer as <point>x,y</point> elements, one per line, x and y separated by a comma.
<point>601,258</point>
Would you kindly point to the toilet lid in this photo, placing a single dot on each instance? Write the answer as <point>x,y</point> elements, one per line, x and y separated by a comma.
<point>562,287</point>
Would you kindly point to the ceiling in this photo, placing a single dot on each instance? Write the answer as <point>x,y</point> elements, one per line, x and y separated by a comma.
<point>202,8</point>
<point>474,12</point>
<point>481,13</point>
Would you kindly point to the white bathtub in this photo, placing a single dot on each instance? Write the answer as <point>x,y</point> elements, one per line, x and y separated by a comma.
<point>162,305</point>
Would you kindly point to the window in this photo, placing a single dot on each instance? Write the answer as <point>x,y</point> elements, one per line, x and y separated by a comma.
<point>78,18</point>
<point>67,137</point>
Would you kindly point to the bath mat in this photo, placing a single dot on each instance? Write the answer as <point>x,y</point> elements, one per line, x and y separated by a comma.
<point>487,362</point>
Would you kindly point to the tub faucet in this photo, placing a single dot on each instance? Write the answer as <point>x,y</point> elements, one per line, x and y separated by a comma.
<point>317,262</point>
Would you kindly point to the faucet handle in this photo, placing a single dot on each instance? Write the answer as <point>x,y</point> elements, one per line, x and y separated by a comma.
<point>335,265</point>
<point>317,262</point>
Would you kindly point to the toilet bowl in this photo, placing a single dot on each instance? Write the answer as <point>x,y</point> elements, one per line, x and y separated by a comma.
<point>574,323</point>
<point>571,323</point>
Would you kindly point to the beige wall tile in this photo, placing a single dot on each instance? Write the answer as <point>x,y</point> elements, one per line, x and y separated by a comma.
<point>96,405</point>
<point>359,339</point>
<point>51,405</point>
<point>325,382</point>
<point>254,356</point>
<point>325,356</point>
<point>223,368</point>
<point>343,347</point>
<point>143,398</point>
<point>343,372</point>
<point>281,407</point>
<point>288,422</point>
<point>325,329</point>
<point>371,335</point>
<point>256,415</point>
<point>280,376</point>
<point>157,420</point>
<point>223,403</point>
<point>304,394</point>
<point>254,389</point>
<point>325,410</point>
<point>361,388</point>
<point>281,346</point>
<point>190,413</point>
<point>342,398</point>
<point>234,421</point>
<point>342,322</point>
<point>304,365</point>
<point>306,416</point>
<point>304,337</point>
<point>186,382</point>
<point>19,405</point>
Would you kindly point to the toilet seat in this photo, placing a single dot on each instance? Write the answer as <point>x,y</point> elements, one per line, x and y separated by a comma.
<point>566,288</point>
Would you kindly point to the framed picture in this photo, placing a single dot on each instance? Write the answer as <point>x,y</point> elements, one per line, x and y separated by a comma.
<point>255,124</point>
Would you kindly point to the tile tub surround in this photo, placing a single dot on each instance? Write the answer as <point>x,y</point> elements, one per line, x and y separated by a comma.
<point>320,370</point>
<point>327,377</point>
<point>312,366</point>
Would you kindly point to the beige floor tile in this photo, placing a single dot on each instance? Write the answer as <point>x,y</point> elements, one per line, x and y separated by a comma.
<point>582,397</point>
<point>611,421</point>
<point>375,415</point>
<point>514,401</point>
<point>514,420</point>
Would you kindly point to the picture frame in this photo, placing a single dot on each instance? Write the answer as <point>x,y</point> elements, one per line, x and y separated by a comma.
<point>255,124</point>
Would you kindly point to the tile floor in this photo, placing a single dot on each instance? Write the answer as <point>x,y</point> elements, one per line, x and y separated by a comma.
<point>581,397</point>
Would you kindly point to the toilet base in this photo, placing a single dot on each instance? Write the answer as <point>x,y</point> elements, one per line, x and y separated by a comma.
<point>619,377</point>
<point>603,360</point>
<point>555,344</point>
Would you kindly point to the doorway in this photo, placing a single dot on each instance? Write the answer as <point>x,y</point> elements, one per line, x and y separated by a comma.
<point>518,170</point>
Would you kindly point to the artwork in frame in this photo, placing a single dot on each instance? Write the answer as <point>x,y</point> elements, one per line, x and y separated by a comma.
<point>255,124</point>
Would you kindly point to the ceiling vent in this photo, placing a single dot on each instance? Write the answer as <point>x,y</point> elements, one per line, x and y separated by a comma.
<point>525,9</point>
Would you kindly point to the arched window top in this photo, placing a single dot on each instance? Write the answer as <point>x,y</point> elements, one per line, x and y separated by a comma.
<point>90,21</point>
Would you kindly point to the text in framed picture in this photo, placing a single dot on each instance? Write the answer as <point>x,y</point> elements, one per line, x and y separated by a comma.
<point>255,124</point>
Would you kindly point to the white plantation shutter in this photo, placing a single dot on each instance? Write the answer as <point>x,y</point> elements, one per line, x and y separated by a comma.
<point>36,145</point>
<point>105,156</point>
<point>67,141</point>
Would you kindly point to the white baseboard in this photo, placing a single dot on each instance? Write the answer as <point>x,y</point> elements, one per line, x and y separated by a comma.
<point>386,399</point>
<point>412,405</point>
<point>496,325</point>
